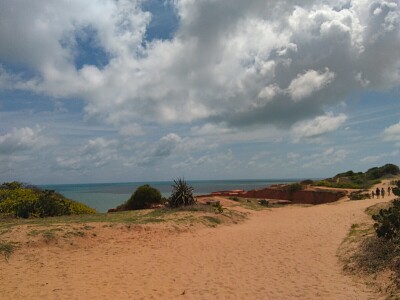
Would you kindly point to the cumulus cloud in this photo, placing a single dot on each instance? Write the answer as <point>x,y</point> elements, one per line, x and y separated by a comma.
<point>148,154</point>
<point>131,130</point>
<point>267,94</point>
<point>220,160</point>
<point>380,157</point>
<point>211,129</point>
<point>304,85</point>
<point>258,159</point>
<point>23,139</point>
<point>328,157</point>
<point>317,127</point>
<point>392,134</point>
<point>263,62</point>
<point>95,153</point>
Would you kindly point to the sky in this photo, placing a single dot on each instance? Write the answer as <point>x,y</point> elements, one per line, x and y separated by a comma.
<point>152,90</point>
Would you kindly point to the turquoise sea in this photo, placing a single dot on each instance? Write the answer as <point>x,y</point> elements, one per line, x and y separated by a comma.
<point>103,196</point>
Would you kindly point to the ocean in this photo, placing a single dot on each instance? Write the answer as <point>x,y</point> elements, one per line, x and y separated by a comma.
<point>103,196</point>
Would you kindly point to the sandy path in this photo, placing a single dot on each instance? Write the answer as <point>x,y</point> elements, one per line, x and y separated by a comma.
<point>286,253</point>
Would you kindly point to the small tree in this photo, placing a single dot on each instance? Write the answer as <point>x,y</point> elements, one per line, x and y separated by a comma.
<point>144,197</point>
<point>182,194</point>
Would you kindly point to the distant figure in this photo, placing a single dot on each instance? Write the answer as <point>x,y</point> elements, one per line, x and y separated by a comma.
<point>373,194</point>
<point>383,192</point>
<point>377,192</point>
<point>389,190</point>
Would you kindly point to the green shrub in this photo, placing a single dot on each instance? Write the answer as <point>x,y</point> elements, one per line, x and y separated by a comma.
<point>396,189</point>
<point>293,187</point>
<point>388,169</point>
<point>145,196</point>
<point>352,180</point>
<point>7,248</point>
<point>24,202</point>
<point>359,195</point>
<point>218,208</point>
<point>77,208</point>
<point>307,182</point>
<point>182,194</point>
<point>387,221</point>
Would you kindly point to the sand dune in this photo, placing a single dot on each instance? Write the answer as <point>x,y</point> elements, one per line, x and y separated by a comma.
<point>284,253</point>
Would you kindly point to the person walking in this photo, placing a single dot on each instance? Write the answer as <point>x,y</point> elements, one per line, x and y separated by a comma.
<point>377,192</point>
<point>389,190</point>
<point>383,192</point>
<point>373,194</point>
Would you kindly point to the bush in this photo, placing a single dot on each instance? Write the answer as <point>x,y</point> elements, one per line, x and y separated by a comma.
<point>182,194</point>
<point>145,196</point>
<point>24,202</point>
<point>387,221</point>
<point>307,182</point>
<point>234,198</point>
<point>352,180</point>
<point>293,187</point>
<point>359,195</point>
<point>388,169</point>
<point>396,189</point>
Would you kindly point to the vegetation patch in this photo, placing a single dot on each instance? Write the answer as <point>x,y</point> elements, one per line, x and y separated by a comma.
<point>144,197</point>
<point>182,194</point>
<point>250,203</point>
<point>213,221</point>
<point>74,233</point>
<point>372,250</point>
<point>360,180</point>
<point>7,248</point>
<point>360,195</point>
<point>20,201</point>
<point>49,235</point>
<point>44,232</point>
<point>4,231</point>
<point>293,187</point>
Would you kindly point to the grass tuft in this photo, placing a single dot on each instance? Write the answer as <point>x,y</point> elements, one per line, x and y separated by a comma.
<point>7,248</point>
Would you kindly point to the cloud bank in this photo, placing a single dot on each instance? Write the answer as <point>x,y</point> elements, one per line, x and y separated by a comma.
<point>223,58</point>
<point>229,72</point>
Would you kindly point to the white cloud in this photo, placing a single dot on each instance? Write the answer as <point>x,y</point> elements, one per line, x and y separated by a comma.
<point>363,81</point>
<point>267,94</point>
<point>23,139</point>
<point>211,129</point>
<point>212,161</point>
<point>371,159</point>
<point>148,154</point>
<point>392,134</point>
<point>328,157</point>
<point>379,157</point>
<point>304,85</point>
<point>217,66</point>
<point>233,71</point>
<point>317,127</point>
<point>131,130</point>
<point>95,153</point>
<point>258,159</point>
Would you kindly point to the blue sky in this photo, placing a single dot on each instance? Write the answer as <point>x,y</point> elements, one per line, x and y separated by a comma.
<point>148,90</point>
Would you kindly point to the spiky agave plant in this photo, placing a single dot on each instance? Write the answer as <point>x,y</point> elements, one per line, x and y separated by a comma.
<point>182,194</point>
